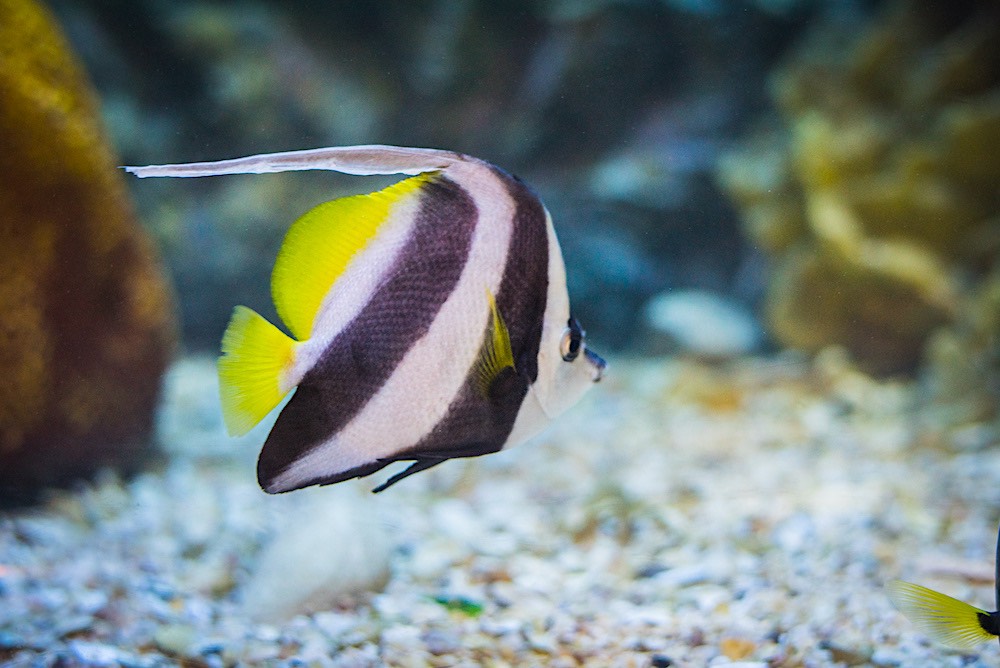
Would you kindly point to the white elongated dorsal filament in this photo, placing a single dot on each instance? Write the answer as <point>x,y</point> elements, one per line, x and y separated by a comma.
<point>358,160</point>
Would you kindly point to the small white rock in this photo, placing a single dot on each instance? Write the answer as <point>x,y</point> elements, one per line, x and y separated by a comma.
<point>331,547</point>
<point>95,654</point>
<point>703,323</point>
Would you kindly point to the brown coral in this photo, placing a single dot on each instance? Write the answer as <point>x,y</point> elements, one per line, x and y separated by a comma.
<point>86,317</point>
<point>883,202</point>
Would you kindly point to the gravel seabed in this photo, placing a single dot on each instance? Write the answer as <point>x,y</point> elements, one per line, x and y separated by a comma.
<point>683,515</point>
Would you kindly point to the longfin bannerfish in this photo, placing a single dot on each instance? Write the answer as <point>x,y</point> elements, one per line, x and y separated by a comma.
<point>944,619</point>
<point>429,320</point>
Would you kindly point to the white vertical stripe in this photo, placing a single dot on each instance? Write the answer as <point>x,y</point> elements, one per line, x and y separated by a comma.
<point>559,384</point>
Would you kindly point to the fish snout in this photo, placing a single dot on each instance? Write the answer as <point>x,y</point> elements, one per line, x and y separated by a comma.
<point>597,363</point>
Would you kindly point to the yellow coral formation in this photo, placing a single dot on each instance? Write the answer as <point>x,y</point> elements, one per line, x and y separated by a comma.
<point>962,379</point>
<point>883,201</point>
<point>87,317</point>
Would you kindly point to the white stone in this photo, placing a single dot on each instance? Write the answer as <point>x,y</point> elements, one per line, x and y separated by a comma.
<point>703,323</point>
<point>332,546</point>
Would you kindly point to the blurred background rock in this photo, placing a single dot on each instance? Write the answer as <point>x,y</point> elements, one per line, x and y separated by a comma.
<point>877,196</point>
<point>87,321</point>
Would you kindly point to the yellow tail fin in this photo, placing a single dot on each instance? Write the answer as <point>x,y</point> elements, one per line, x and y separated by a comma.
<point>255,357</point>
<point>944,619</point>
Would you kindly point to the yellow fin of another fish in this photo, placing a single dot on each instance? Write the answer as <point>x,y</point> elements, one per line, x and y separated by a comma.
<point>321,243</point>
<point>496,354</point>
<point>255,356</point>
<point>944,619</point>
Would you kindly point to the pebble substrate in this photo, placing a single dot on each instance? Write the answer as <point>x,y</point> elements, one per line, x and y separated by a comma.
<point>683,515</point>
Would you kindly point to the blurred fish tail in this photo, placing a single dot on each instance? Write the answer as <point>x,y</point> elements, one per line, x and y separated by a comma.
<point>944,619</point>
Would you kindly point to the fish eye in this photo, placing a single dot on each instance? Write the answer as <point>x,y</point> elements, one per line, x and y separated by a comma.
<point>572,340</point>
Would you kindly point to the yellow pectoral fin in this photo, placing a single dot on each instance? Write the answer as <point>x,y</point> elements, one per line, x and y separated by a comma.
<point>944,619</point>
<point>496,354</point>
<point>321,243</point>
<point>255,357</point>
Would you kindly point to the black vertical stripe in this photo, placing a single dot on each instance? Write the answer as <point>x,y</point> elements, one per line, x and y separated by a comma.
<point>522,297</point>
<point>363,356</point>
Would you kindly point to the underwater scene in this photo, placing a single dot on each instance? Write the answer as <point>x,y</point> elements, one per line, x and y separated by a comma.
<point>282,286</point>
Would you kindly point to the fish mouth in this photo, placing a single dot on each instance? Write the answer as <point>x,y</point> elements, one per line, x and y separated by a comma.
<point>597,362</point>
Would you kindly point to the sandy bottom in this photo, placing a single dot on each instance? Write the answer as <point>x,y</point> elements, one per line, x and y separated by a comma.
<point>682,515</point>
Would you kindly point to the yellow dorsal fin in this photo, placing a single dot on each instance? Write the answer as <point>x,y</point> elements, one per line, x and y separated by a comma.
<point>255,357</point>
<point>495,355</point>
<point>321,243</point>
<point>944,619</point>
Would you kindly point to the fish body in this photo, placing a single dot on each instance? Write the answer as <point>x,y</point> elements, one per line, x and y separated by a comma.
<point>944,619</point>
<point>428,321</point>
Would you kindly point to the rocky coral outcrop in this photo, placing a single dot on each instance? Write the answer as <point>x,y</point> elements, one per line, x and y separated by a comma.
<point>961,375</point>
<point>880,205</point>
<point>86,316</point>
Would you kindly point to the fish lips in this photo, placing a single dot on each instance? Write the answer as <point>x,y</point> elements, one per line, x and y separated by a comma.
<point>597,362</point>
